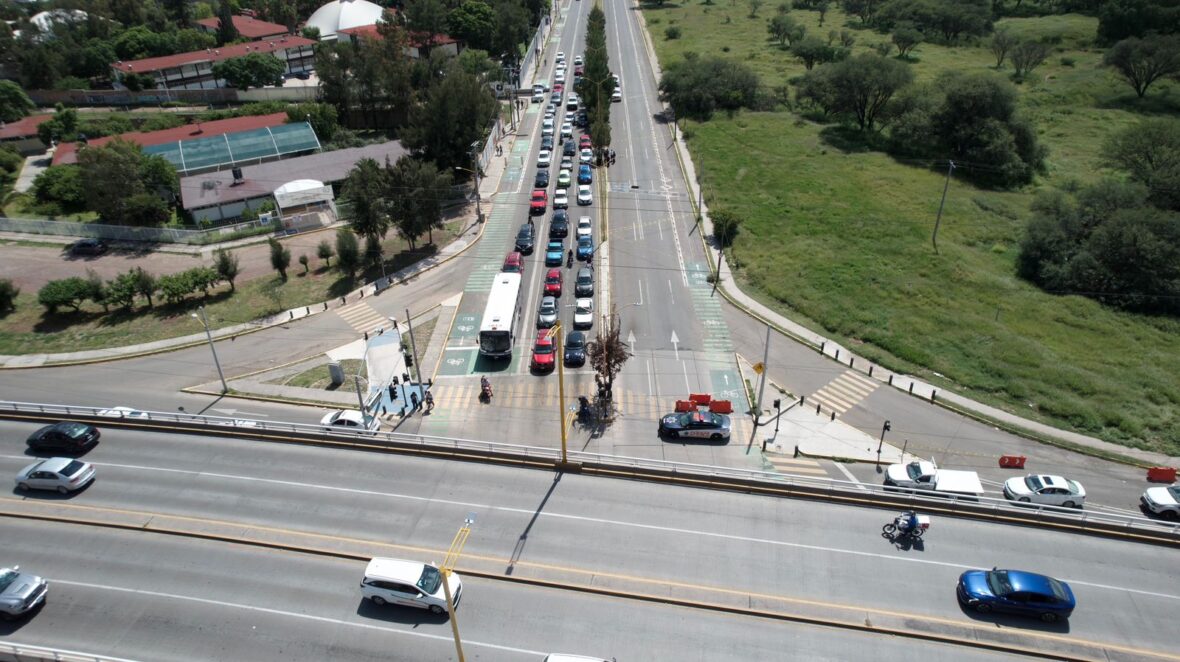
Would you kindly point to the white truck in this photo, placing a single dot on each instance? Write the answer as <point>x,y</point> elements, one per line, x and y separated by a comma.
<point>923,475</point>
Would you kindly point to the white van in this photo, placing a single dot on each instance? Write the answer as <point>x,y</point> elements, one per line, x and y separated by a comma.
<point>409,583</point>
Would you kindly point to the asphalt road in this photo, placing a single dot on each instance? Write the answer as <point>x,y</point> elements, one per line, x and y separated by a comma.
<point>702,545</point>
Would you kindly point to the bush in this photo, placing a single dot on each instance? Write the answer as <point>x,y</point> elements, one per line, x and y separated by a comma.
<point>1068,61</point>
<point>347,251</point>
<point>672,32</point>
<point>146,210</point>
<point>8,294</point>
<point>697,87</point>
<point>66,292</point>
<point>63,185</point>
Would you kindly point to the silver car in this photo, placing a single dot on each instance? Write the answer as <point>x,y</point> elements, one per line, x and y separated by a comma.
<point>63,474</point>
<point>20,592</point>
<point>547,313</point>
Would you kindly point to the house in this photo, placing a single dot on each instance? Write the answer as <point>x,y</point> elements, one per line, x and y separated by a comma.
<point>249,27</point>
<point>194,70</point>
<point>416,43</point>
<point>23,134</point>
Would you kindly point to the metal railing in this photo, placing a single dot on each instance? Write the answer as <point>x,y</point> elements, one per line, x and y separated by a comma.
<point>753,480</point>
<point>30,653</point>
<point>124,232</point>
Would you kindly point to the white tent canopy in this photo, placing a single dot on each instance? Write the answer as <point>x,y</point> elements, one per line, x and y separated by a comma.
<point>343,14</point>
<point>302,192</point>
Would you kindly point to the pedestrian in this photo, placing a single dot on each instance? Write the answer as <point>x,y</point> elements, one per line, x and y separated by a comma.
<point>429,401</point>
<point>413,401</point>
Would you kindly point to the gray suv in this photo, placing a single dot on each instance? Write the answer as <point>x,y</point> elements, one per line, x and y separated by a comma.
<point>547,313</point>
<point>584,285</point>
<point>20,592</point>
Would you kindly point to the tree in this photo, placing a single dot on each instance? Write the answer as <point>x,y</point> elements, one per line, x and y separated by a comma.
<point>66,292</point>
<point>511,29</point>
<point>188,41</point>
<point>474,22</point>
<point>178,11</point>
<point>822,7</point>
<point>63,126</point>
<point>453,116</point>
<point>63,185</point>
<point>906,37</point>
<point>862,9</point>
<point>111,173</point>
<point>414,192</point>
<point>348,251</point>
<point>253,70</point>
<point>226,264</point>
<point>1120,19</point>
<point>324,252</point>
<point>755,5</point>
<point>145,284</point>
<point>374,251</point>
<point>726,226</point>
<point>698,87</point>
<point>145,210</point>
<point>8,295</point>
<point>14,103</point>
<point>608,353</point>
<point>226,32</point>
<point>1027,56</point>
<point>280,257</point>
<point>812,50</point>
<point>121,290</point>
<point>862,86</point>
<point>1150,152</point>
<point>427,18</point>
<point>97,291</point>
<point>1141,62</point>
<point>323,118</point>
<point>303,260</point>
<point>363,190</point>
<point>1001,43</point>
<point>785,29</point>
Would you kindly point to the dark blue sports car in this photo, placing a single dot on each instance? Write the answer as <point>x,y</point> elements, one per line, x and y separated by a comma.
<point>1016,592</point>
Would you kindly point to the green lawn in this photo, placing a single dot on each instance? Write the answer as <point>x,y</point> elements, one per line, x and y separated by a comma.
<point>29,330</point>
<point>318,377</point>
<point>840,240</point>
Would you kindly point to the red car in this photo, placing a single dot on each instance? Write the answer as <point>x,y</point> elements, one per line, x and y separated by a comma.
<point>553,282</point>
<point>579,70</point>
<point>543,354</point>
<point>538,202</point>
<point>584,141</point>
<point>513,263</point>
<point>558,87</point>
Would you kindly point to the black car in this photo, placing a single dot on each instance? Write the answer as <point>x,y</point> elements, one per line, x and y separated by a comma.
<point>559,225</point>
<point>526,239</point>
<point>584,285</point>
<point>542,179</point>
<point>547,143</point>
<point>64,436</point>
<point>575,349</point>
<point>569,149</point>
<point>89,247</point>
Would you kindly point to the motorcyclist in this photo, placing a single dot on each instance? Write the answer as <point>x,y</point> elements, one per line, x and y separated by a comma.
<point>908,521</point>
<point>569,259</point>
<point>485,386</point>
<point>583,407</point>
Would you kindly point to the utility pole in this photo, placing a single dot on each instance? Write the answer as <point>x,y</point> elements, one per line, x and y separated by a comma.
<point>937,221</point>
<point>762,386</point>
<point>360,399</point>
<point>447,568</point>
<point>212,348</point>
<point>884,428</point>
<point>413,347</point>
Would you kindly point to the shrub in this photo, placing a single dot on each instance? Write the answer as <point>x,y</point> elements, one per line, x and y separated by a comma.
<point>304,261</point>
<point>62,184</point>
<point>347,251</point>
<point>1068,61</point>
<point>65,292</point>
<point>280,257</point>
<point>8,294</point>
<point>227,267</point>
<point>324,252</point>
<point>121,290</point>
<point>672,32</point>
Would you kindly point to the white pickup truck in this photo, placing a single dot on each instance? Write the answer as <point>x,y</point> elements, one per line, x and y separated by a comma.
<point>923,475</point>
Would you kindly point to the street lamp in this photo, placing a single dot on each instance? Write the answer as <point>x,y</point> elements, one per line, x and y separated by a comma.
<point>478,208</point>
<point>204,321</point>
<point>559,359</point>
<point>448,565</point>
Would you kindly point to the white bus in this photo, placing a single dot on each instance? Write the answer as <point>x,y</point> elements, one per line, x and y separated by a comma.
<point>496,331</point>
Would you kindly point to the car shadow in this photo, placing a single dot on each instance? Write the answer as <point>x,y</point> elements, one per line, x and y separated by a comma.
<point>51,495</point>
<point>8,627</point>
<point>1014,621</point>
<point>46,454</point>
<point>681,441</point>
<point>398,614</point>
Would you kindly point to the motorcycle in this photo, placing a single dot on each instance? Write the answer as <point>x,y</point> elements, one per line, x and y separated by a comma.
<point>907,524</point>
<point>569,260</point>
<point>485,391</point>
<point>584,411</point>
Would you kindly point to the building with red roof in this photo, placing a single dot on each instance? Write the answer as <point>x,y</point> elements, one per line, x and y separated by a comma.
<point>416,40</point>
<point>23,134</point>
<point>68,152</point>
<point>248,27</point>
<point>194,71</point>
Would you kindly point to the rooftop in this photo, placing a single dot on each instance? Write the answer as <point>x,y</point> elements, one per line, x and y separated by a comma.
<point>416,39</point>
<point>68,152</point>
<point>22,128</point>
<point>250,28</point>
<point>211,54</point>
<point>214,188</point>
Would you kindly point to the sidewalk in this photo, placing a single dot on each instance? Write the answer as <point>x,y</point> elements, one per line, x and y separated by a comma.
<point>471,234</point>
<point>919,389</point>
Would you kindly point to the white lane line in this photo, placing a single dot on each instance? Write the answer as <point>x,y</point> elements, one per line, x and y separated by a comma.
<point>687,386</point>
<point>671,298</point>
<point>848,474</point>
<point>593,520</point>
<point>647,364</point>
<point>290,614</point>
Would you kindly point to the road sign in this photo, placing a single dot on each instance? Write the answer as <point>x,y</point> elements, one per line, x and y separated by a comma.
<point>758,367</point>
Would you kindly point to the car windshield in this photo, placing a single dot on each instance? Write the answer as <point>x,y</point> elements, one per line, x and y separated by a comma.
<point>1058,589</point>
<point>544,348</point>
<point>913,470</point>
<point>72,468</point>
<point>583,310</point>
<point>553,279</point>
<point>1034,483</point>
<point>6,577</point>
<point>998,581</point>
<point>1074,487</point>
<point>430,580</point>
<point>74,429</point>
<point>575,343</point>
<point>1175,492</point>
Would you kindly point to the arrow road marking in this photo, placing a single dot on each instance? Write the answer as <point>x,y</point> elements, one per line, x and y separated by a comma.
<point>676,344</point>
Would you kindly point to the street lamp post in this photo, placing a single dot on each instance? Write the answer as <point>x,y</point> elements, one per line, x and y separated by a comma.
<point>555,333</point>
<point>478,207</point>
<point>448,565</point>
<point>209,336</point>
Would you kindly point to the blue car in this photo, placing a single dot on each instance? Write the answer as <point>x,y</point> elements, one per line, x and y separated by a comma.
<point>1016,592</point>
<point>585,248</point>
<point>584,175</point>
<point>554,253</point>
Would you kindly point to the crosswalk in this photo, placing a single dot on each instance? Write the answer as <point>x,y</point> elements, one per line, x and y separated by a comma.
<point>785,464</point>
<point>362,318</point>
<point>543,395</point>
<point>844,392</point>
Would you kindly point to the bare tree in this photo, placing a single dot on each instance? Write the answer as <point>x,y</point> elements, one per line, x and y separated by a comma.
<point>1026,56</point>
<point>607,353</point>
<point>755,5</point>
<point>1002,42</point>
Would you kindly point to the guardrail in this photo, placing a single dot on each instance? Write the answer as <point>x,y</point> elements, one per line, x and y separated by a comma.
<point>749,480</point>
<point>26,653</point>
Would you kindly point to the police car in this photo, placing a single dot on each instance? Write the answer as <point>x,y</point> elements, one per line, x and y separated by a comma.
<point>695,424</point>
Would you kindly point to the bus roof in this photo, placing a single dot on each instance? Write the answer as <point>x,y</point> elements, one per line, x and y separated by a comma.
<point>501,309</point>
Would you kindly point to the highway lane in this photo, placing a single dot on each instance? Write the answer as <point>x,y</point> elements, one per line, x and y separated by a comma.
<point>151,597</point>
<point>647,537</point>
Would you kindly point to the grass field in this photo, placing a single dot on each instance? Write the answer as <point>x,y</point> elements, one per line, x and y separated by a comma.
<point>839,237</point>
<point>318,377</point>
<point>29,330</point>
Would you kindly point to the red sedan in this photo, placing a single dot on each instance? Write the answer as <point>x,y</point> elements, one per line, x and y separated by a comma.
<point>538,202</point>
<point>553,282</point>
<point>543,354</point>
<point>584,141</point>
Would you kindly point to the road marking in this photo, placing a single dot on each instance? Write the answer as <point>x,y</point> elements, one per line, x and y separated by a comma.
<point>848,474</point>
<point>844,392</point>
<point>290,614</point>
<point>362,318</point>
<point>579,518</point>
<point>671,298</point>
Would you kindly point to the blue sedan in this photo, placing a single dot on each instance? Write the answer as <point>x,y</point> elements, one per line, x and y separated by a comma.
<point>1017,592</point>
<point>585,247</point>
<point>554,253</point>
<point>584,174</point>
